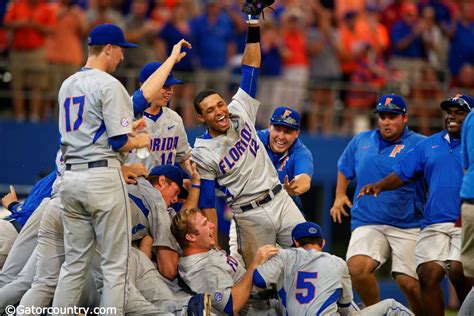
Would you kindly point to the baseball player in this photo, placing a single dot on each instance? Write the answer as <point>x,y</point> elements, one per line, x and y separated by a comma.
<point>391,221</point>
<point>231,158</point>
<point>311,282</point>
<point>95,124</point>
<point>205,269</point>
<point>169,142</point>
<point>11,225</point>
<point>151,215</point>
<point>436,160</point>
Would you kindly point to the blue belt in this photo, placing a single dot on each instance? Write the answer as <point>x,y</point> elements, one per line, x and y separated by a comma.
<point>468,201</point>
<point>15,224</point>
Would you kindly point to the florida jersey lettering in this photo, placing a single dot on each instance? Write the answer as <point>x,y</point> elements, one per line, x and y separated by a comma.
<point>235,153</point>
<point>396,150</point>
<point>165,143</point>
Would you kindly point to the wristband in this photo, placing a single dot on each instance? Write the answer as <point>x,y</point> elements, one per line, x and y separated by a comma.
<point>11,205</point>
<point>197,186</point>
<point>253,34</point>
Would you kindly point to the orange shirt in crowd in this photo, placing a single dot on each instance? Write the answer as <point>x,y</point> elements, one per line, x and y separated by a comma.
<point>65,44</point>
<point>28,37</point>
<point>295,42</point>
<point>352,42</point>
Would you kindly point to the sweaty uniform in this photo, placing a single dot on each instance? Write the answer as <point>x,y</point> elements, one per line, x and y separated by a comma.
<point>215,272</point>
<point>244,175</point>
<point>169,142</point>
<point>94,106</point>
<point>310,282</point>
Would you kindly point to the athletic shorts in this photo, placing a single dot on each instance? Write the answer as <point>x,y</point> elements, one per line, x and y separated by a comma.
<point>440,243</point>
<point>381,242</point>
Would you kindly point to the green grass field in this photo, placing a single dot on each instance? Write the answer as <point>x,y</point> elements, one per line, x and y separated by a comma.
<point>450,313</point>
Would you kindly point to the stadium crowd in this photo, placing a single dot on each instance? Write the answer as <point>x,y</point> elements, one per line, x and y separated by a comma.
<point>319,56</point>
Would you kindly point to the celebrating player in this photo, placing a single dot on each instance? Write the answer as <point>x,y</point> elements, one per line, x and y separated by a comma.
<point>95,124</point>
<point>311,282</point>
<point>386,226</point>
<point>205,269</point>
<point>169,143</point>
<point>231,158</point>
<point>436,159</point>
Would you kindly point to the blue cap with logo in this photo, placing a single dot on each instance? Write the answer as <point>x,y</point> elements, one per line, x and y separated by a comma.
<point>306,229</point>
<point>150,68</point>
<point>462,101</point>
<point>174,174</point>
<point>287,117</point>
<point>104,34</point>
<point>391,103</point>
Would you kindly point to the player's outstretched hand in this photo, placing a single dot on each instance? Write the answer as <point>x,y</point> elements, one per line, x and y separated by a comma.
<point>10,197</point>
<point>263,253</point>
<point>176,53</point>
<point>291,187</point>
<point>372,188</point>
<point>338,207</point>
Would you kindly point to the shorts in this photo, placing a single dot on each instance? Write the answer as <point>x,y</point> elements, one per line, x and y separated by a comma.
<point>29,69</point>
<point>440,243</point>
<point>381,242</point>
<point>467,239</point>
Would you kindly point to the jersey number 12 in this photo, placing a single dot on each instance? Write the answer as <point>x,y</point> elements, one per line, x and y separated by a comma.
<point>75,101</point>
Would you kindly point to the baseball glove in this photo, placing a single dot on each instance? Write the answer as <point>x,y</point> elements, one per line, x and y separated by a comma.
<point>255,7</point>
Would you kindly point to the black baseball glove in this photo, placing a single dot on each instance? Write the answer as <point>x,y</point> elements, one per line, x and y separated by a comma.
<point>255,7</point>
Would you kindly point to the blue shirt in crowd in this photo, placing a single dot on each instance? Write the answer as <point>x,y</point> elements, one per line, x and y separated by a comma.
<point>437,159</point>
<point>210,41</point>
<point>171,35</point>
<point>367,159</point>
<point>297,160</point>
<point>41,190</point>
<point>467,152</point>
<point>414,50</point>
<point>461,48</point>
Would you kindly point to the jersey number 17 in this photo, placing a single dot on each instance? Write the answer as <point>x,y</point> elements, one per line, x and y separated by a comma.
<point>75,102</point>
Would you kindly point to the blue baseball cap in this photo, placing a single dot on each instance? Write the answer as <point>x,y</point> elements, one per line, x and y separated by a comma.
<point>174,174</point>
<point>287,117</point>
<point>391,103</point>
<point>462,101</point>
<point>306,229</point>
<point>150,68</point>
<point>108,34</point>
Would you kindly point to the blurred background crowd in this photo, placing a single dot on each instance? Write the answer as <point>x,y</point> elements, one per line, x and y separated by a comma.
<point>329,59</point>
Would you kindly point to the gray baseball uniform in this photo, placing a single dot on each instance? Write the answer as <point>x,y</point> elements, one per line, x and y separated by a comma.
<point>244,174</point>
<point>94,106</point>
<point>169,142</point>
<point>310,282</point>
<point>150,215</point>
<point>216,272</point>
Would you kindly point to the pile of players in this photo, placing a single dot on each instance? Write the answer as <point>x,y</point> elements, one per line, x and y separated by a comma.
<point>128,219</point>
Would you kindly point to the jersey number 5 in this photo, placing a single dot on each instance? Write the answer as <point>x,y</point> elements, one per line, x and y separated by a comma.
<point>79,102</point>
<point>305,290</point>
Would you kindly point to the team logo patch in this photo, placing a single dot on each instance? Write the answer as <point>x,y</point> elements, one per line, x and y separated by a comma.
<point>286,114</point>
<point>124,122</point>
<point>312,230</point>
<point>218,296</point>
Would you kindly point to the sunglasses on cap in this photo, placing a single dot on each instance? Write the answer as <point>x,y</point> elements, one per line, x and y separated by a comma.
<point>390,106</point>
<point>460,101</point>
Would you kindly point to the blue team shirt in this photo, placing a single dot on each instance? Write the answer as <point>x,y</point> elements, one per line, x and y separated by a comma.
<point>367,159</point>
<point>437,159</point>
<point>41,190</point>
<point>467,152</point>
<point>296,161</point>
